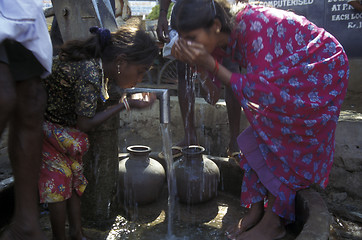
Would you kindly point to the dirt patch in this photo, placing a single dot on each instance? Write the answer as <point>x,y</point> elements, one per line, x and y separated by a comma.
<point>353,102</point>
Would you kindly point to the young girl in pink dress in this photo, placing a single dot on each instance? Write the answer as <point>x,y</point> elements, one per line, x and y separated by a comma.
<point>291,94</point>
<point>81,75</point>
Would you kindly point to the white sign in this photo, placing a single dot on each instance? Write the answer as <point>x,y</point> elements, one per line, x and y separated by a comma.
<point>287,3</point>
<point>47,4</point>
<point>140,8</point>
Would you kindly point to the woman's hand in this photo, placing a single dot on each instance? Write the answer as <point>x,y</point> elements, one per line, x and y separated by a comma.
<point>193,53</point>
<point>141,100</point>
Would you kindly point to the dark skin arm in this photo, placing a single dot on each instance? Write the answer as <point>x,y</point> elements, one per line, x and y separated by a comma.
<point>356,5</point>
<point>162,24</point>
<point>86,124</point>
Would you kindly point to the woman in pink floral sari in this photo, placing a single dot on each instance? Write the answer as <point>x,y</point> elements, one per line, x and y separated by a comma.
<point>291,94</point>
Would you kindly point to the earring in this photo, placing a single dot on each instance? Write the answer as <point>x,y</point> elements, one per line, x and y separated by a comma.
<point>118,71</point>
<point>217,30</point>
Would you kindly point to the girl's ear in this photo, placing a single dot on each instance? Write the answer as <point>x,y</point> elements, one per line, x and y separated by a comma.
<point>216,27</point>
<point>121,59</point>
<point>121,63</point>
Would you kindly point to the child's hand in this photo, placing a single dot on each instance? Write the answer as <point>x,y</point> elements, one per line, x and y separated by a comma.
<point>141,100</point>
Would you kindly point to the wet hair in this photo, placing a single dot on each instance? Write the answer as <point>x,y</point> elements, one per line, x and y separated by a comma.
<point>133,45</point>
<point>188,15</point>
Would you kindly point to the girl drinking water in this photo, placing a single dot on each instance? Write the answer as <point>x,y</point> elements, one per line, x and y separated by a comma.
<point>80,78</point>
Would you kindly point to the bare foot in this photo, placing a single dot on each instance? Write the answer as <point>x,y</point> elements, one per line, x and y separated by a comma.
<point>233,148</point>
<point>17,232</point>
<point>253,216</point>
<point>270,227</point>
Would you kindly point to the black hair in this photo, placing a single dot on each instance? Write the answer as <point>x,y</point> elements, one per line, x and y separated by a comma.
<point>188,15</point>
<point>133,45</point>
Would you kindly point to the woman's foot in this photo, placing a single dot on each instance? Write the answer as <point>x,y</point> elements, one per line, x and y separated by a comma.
<point>253,216</point>
<point>233,147</point>
<point>270,227</point>
<point>233,150</point>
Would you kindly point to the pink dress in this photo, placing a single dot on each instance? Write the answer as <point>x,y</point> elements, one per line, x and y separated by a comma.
<point>61,171</point>
<point>292,93</point>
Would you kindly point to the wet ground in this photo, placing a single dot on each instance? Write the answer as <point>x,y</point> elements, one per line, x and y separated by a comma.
<point>203,221</point>
<point>206,221</point>
<point>342,229</point>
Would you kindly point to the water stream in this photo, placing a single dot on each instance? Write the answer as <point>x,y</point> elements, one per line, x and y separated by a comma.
<point>171,181</point>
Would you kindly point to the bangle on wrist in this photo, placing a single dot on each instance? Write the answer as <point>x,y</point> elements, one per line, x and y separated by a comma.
<point>216,68</point>
<point>126,104</point>
<point>202,80</point>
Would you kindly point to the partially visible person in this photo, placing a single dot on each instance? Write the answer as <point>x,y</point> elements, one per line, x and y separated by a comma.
<point>292,92</point>
<point>25,57</point>
<point>357,4</point>
<point>81,75</point>
<point>186,95</point>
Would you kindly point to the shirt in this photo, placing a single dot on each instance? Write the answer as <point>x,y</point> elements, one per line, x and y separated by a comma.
<point>24,22</point>
<point>73,89</point>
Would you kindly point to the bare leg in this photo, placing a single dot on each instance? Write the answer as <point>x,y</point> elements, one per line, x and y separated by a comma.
<point>234,112</point>
<point>75,220</point>
<point>186,99</point>
<point>7,96</point>
<point>253,216</point>
<point>233,109</point>
<point>270,226</point>
<point>58,216</point>
<point>25,144</point>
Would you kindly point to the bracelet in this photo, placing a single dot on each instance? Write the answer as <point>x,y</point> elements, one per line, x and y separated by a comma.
<point>216,68</point>
<point>202,81</point>
<point>126,104</point>
<point>163,10</point>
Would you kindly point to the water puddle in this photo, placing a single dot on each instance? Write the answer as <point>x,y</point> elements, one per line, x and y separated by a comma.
<point>342,229</point>
<point>206,221</point>
<point>203,221</point>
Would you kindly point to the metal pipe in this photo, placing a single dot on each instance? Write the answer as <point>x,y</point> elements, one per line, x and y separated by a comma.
<point>162,95</point>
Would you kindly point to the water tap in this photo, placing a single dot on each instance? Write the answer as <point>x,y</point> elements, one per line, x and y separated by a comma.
<point>162,95</point>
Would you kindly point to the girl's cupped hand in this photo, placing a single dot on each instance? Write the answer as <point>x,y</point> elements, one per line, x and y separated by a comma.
<point>141,100</point>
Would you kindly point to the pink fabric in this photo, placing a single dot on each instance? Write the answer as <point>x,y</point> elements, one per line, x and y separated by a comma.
<point>292,92</point>
<point>249,147</point>
<point>259,179</point>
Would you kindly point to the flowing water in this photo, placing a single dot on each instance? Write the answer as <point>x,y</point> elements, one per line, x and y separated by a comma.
<point>171,181</point>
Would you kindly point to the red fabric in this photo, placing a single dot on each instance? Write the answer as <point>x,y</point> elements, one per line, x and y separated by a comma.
<point>62,171</point>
